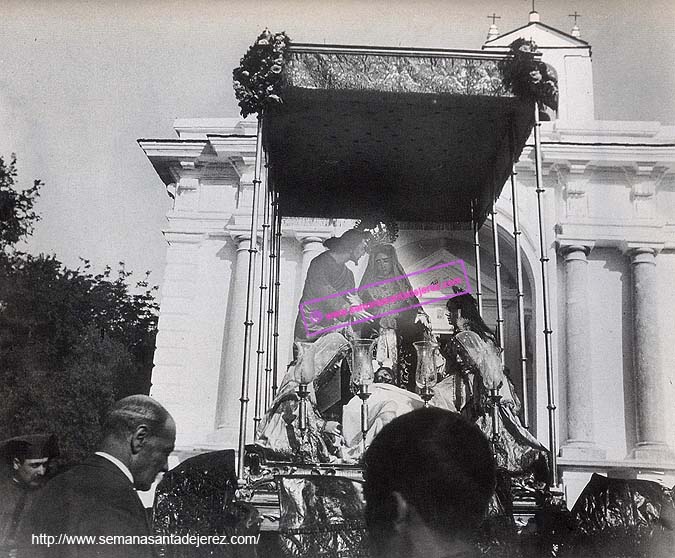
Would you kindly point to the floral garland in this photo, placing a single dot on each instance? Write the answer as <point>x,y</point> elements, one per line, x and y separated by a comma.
<point>528,78</point>
<point>378,229</point>
<point>257,79</point>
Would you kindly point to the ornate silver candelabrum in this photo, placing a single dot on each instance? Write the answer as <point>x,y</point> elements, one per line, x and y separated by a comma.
<point>304,374</point>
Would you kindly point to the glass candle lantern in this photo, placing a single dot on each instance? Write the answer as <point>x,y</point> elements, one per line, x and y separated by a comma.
<point>426,374</point>
<point>362,361</point>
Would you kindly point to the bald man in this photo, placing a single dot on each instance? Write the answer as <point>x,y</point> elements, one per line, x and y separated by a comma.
<point>98,497</point>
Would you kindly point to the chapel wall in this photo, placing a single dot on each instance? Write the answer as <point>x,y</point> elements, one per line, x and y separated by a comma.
<point>609,371</point>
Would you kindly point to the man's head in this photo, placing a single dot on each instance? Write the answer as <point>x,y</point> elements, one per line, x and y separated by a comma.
<point>384,375</point>
<point>29,457</point>
<point>429,476</point>
<point>30,472</point>
<point>141,434</point>
<point>359,250</point>
<point>352,243</point>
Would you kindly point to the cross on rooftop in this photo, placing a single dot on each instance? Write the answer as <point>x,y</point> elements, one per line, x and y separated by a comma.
<point>493,17</point>
<point>533,8</point>
<point>575,15</point>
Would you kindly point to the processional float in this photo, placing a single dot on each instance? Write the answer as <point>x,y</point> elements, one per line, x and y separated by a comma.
<point>402,134</point>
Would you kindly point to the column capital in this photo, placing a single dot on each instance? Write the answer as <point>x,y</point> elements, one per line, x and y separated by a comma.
<point>242,236</point>
<point>641,250</point>
<point>575,249</point>
<point>306,238</point>
<point>312,235</point>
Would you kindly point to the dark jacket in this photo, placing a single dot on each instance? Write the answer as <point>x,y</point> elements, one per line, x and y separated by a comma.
<point>15,501</point>
<point>94,498</point>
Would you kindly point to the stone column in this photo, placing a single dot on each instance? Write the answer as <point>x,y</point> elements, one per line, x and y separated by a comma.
<point>580,443</point>
<point>229,387</point>
<point>648,381</point>
<point>312,246</point>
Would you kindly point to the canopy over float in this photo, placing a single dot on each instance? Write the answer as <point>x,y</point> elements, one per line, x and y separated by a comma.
<point>417,135</point>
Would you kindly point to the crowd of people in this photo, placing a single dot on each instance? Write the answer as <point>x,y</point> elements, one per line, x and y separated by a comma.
<point>96,498</point>
<point>412,510</point>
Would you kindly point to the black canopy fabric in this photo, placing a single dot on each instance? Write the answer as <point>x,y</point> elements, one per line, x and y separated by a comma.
<point>406,137</point>
<point>621,518</point>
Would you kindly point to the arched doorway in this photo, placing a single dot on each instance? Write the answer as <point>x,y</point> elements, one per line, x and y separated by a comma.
<point>421,249</point>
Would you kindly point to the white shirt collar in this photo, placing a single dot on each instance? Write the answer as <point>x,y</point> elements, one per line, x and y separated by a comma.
<point>121,466</point>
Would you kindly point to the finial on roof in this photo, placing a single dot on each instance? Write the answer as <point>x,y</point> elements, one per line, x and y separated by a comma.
<point>534,14</point>
<point>493,31</point>
<point>575,30</point>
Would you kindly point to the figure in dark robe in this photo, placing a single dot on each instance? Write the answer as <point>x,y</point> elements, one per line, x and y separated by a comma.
<point>326,292</point>
<point>327,284</point>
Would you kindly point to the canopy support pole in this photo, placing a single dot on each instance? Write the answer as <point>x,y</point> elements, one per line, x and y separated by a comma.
<point>262,310</point>
<point>271,295</point>
<point>520,297</point>
<point>476,251</point>
<point>543,258</point>
<point>498,281</point>
<point>250,286</point>
<point>494,393</point>
<point>277,285</point>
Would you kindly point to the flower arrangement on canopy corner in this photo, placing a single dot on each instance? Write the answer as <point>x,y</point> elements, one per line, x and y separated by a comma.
<point>258,77</point>
<point>528,78</point>
<point>380,229</point>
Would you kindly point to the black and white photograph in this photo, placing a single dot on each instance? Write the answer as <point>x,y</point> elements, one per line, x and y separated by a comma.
<point>349,279</point>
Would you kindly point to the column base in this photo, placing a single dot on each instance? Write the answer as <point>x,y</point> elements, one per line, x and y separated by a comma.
<point>574,483</point>
<point>224,437</point>
<point>582,451</point>
<point>654,452</point>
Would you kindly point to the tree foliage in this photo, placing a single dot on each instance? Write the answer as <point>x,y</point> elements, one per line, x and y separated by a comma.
<point>71,341</point>
<point>17,217</point>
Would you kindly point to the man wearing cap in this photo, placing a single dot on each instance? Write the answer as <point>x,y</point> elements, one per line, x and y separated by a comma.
<point>26,459</point>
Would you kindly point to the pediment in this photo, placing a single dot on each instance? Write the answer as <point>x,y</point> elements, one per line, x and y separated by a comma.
<point>542,34</point>
<point>438,258</point>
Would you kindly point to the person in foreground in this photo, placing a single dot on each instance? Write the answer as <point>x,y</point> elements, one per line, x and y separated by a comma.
<point>27,460</point>
<point>97,498</point>
<point>429,476</point>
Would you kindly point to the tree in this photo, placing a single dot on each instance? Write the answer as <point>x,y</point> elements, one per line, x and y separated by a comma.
<point>17,217</point>
<point>71,341</point>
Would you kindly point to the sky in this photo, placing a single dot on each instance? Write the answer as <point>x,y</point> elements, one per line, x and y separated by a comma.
<point>81,81</point>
